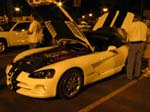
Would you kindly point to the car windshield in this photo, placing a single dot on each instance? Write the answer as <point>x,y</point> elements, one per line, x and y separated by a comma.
<point>7,26</point>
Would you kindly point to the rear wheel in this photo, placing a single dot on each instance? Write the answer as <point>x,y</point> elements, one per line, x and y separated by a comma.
<point>70,84</point>
<point>2,46</point>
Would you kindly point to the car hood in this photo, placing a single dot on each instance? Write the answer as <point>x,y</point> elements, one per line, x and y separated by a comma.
<point>58,22</point>
<point>61,25</point>
<point>117,18</point>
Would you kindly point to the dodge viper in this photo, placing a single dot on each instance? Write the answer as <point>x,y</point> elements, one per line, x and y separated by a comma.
<point>77,59</point>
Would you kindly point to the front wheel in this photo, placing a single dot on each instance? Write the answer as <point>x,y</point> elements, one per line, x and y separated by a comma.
<point>70,84</point>
<point>2,46</point>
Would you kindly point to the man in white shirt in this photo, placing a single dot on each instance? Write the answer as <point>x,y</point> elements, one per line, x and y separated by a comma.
<point>136,34</point>
<point>35,32</point>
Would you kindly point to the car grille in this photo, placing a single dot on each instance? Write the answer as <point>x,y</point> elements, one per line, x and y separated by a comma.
<point>13,73</point>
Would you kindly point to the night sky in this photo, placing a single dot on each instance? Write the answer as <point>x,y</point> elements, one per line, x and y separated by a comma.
<point>89,5</point>
<point>147,4</point>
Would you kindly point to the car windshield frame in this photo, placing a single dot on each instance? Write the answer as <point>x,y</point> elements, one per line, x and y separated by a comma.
<point>7,26</point>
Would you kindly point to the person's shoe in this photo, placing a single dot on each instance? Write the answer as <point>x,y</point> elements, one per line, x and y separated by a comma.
<point>144,70</point>
<point>147,74</point>
<point>136,78</point>
<point>129,79</point>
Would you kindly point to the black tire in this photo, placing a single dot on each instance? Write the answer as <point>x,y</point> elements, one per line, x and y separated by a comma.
<point>70,84</point>
<point>3,46</point>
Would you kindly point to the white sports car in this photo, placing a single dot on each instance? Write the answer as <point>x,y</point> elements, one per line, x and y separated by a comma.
<point>76,60</point>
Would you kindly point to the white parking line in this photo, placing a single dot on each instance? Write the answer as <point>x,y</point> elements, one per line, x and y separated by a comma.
<point>107,97</point>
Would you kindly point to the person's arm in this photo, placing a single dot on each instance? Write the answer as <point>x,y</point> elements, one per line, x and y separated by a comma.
<point>30,30</point>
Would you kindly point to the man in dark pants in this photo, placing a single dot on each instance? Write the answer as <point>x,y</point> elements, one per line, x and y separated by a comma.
<point>137,32</point>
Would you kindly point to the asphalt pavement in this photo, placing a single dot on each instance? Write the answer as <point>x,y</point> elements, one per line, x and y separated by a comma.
<point>132,97</point>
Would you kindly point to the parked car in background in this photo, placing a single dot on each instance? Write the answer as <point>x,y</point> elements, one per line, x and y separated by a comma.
<point>84,26</point>
<point>76,60</point>
<point>13,34</point>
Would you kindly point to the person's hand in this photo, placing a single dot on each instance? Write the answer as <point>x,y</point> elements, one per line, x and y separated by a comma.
<point>28,32</point>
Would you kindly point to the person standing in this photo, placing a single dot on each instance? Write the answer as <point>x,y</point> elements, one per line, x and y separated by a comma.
<point>35,32</point>
<point>136,34</point>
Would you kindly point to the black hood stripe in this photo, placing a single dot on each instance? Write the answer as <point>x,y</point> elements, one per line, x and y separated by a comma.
<point>112,18</point>
<point>109,19</point>
<point>121,17</point>
<point>118,18</point>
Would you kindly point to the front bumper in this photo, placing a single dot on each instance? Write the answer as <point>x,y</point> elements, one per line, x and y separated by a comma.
<point>22,84</point>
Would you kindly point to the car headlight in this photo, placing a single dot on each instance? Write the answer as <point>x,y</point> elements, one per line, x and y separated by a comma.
<point>44,74</point>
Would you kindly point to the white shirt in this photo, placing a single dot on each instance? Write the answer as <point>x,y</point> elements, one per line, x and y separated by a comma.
<point>36,30</point>
<point>137,31</point>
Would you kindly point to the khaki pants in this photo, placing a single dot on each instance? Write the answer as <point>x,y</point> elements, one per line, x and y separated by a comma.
<point>134,60</point>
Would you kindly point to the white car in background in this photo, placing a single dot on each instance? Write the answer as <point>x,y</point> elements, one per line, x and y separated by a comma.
<point>13,34</point>
<point>78,58</point>
<point>84,26</point>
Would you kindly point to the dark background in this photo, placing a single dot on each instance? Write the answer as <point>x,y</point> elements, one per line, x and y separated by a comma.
<point>86,6</point>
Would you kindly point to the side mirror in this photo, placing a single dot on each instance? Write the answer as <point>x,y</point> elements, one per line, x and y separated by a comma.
<point>112,48</point>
